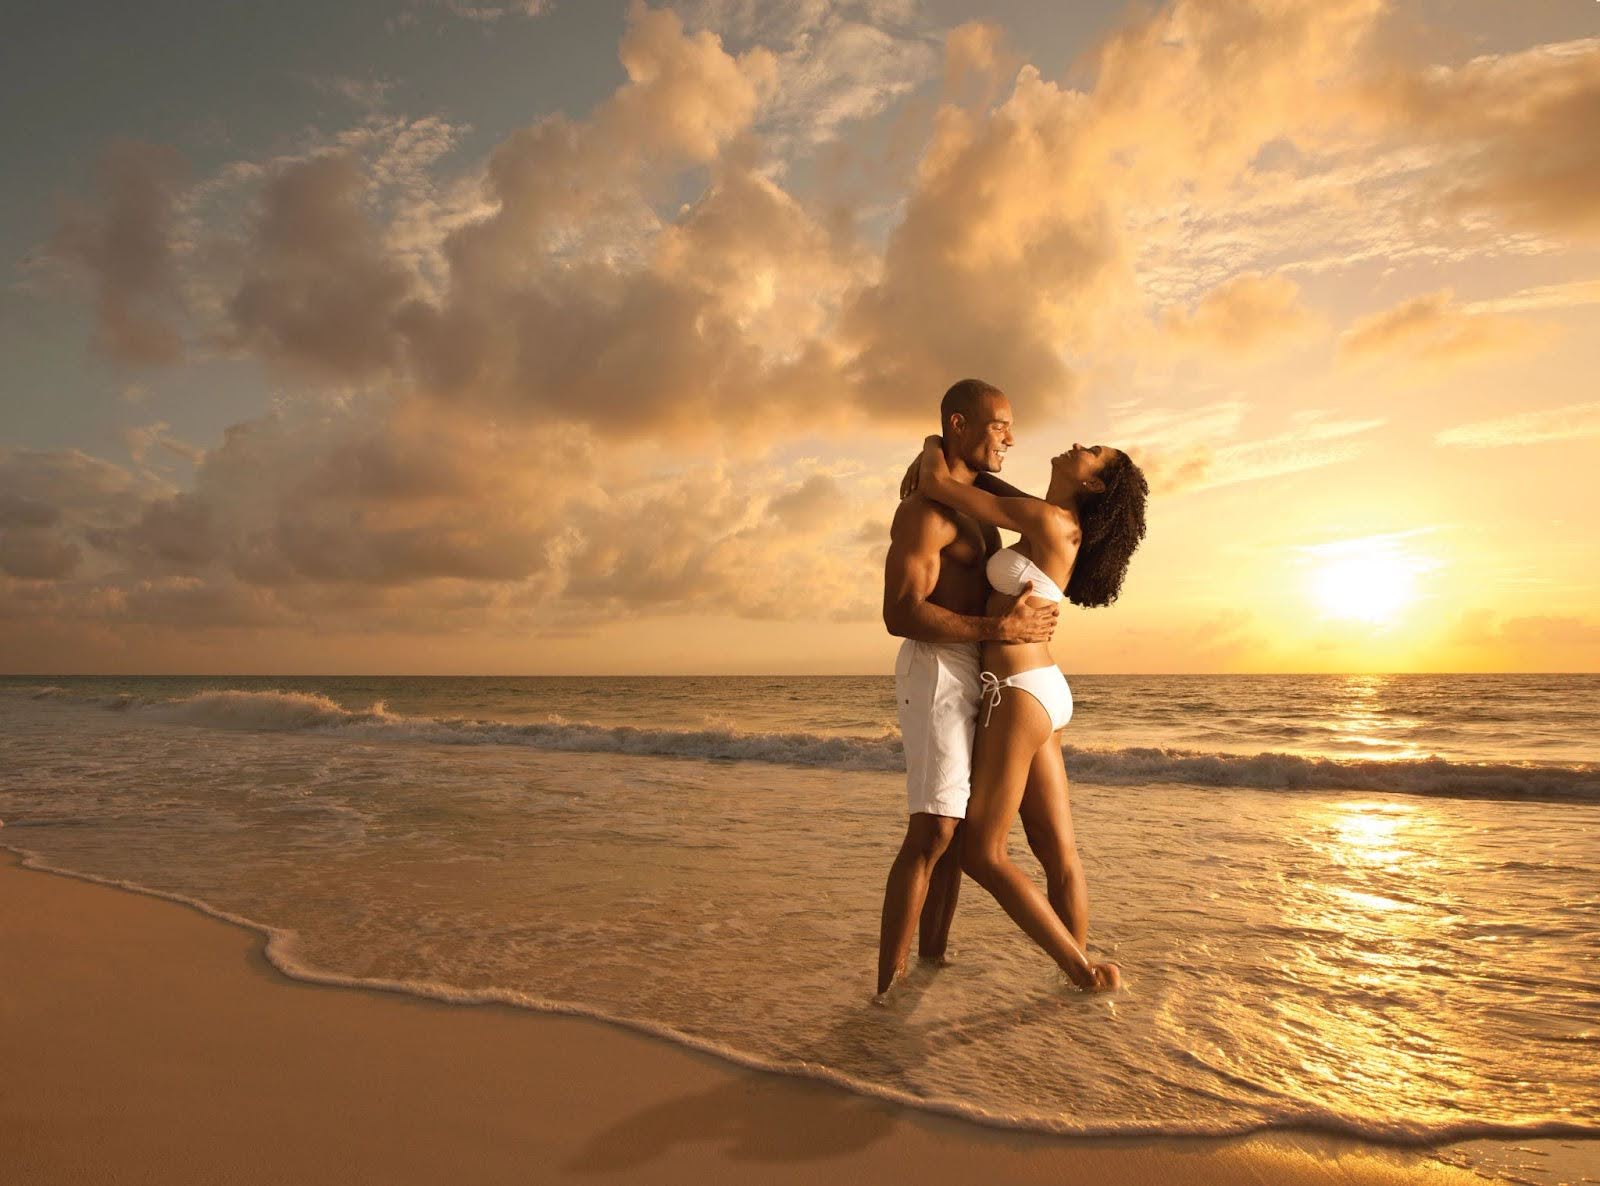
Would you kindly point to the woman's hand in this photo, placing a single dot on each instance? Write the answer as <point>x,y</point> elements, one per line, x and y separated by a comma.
<point>908,484</point>
<point>914,472</point>
<point>931,466</point>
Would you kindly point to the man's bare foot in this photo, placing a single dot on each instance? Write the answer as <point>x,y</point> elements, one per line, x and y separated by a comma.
<point>882,995</point>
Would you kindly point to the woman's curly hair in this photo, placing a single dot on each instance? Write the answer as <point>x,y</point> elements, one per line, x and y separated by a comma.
<point>1113,524</point>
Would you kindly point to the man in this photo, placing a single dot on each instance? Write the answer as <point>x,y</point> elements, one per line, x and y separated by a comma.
<point>934,596</point>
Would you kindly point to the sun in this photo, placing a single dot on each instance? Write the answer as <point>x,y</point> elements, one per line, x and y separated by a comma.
<point>1364,590</point>
<point>1369,580</point>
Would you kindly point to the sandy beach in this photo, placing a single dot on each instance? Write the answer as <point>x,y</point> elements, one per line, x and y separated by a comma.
<point>144,1041</point>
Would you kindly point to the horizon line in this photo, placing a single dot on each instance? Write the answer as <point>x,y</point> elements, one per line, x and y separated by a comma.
<point>699,674</point>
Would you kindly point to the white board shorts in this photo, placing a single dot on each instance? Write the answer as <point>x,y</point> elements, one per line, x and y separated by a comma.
<point>936,691</point>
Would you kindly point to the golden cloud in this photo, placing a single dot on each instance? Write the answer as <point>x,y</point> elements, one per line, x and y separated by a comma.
<point>1572,422</point>
<point>1515,133</point>
<point>1433,331</point>
<point>1250,314</point>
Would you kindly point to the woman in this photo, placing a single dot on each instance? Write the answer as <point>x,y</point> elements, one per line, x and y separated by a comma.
<point>1076,544</point>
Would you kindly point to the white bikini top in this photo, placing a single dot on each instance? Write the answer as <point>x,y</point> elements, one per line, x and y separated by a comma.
<point>1009,570</point>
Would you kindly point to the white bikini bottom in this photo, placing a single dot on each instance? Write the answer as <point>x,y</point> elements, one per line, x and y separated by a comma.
<point>1045,684</point>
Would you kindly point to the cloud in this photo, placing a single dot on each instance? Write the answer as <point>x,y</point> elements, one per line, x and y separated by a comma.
<point>1515,130</point>
<point>368,94</point>
<point>575,298</point>
<point>37,554</point>
<point>1534,642</point>
<point>123,243</point>
<point>1014,255</point>
<point>977,60</point>
<point>815,503</point>
<point>224,220</point>
<point>757,20</point>
<point>1000,260</point>
<point>372,515</point>
<point>1197,449</point>
<point>1571,295</point>
<point>397,152</point>
<point>70,482</point>
<point>721,322</point>
<point>141,439</point>
<point>1396,164</point>
<point>486,15</point>
<point>318,289</point>
<point>555,282</point>
<point>1434,331</point>
<point>1225,634</point>
<point>54,504</point>
<point>835,63</point>
<point>1250,314</point>
<point>1572,422</point>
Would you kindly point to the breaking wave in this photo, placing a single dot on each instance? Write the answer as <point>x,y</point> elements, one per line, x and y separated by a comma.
<point>306,712</point>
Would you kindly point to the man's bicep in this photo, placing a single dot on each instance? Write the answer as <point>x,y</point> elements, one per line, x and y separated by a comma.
<point>910,575</point>
<point>912,568</point>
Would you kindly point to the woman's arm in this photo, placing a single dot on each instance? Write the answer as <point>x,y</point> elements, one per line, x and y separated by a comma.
<point>994,484</point>
<point>1027,516</point>
<point>1000,488</point>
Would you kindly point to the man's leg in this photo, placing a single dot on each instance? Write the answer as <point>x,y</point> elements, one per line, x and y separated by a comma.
<point>927,839</point>
<point>939,911</point>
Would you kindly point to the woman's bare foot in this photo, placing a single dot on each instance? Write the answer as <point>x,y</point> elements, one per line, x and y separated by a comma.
<point>1107,978</point>
<point>1099,978</point>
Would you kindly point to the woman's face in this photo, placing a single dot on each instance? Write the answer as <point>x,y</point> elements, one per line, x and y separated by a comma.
<point>1084,464</point>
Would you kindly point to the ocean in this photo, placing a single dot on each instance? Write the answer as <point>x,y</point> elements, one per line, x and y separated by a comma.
<point>1360,904</point>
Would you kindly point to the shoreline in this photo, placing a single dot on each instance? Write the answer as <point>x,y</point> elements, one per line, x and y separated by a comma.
<point>150,1040</point>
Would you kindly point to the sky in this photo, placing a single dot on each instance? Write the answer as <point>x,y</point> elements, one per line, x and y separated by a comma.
<point>429,336</point>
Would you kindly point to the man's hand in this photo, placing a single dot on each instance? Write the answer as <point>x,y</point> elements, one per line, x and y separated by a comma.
<point>1025,622</point>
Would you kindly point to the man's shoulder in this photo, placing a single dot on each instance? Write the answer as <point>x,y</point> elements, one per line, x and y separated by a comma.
<point>917,512</point>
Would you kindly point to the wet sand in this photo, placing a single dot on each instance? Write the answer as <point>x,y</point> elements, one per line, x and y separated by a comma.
<point>143,1041</point>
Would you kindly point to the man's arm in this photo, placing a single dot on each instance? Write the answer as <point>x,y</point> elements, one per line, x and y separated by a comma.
<point>918,535</point>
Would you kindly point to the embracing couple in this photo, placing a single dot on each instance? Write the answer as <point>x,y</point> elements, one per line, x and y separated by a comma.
<point>981,702</point>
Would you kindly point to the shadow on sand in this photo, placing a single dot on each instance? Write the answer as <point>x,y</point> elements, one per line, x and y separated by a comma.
<point>762,1118</point>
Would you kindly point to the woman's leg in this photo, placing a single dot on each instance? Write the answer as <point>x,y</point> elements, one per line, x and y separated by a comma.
<point>1002,759</point>
<point>1047,820</point>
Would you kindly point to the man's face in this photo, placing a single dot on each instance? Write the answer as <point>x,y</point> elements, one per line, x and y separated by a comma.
<point>984,439</point>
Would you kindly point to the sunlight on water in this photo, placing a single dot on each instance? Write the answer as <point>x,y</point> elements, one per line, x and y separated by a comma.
<point>1363,720</point>
<point>1368,833</point>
